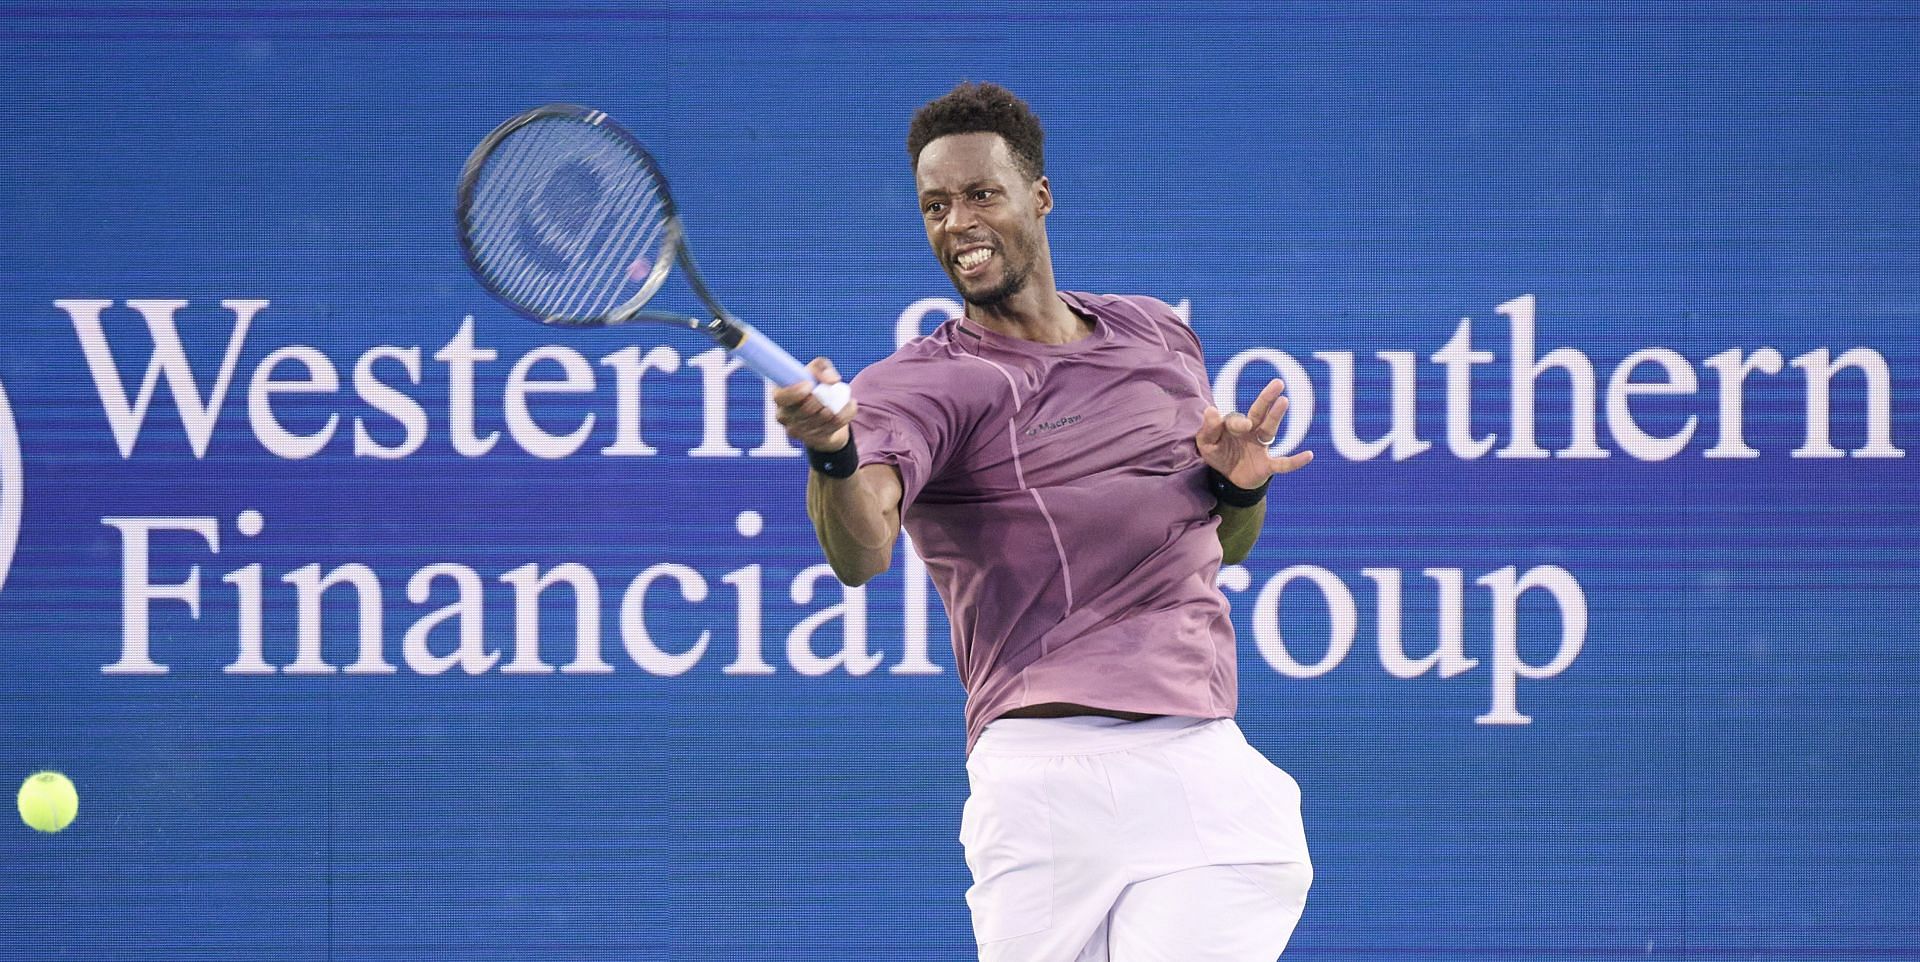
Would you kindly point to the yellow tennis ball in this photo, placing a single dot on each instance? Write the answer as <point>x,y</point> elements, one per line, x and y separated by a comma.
<point>48,801</point>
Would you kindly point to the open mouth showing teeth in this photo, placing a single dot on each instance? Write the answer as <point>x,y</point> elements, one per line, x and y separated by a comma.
<point>973,258</point>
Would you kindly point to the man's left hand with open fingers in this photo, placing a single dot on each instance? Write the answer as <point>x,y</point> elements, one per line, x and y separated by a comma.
<point>1236,444</point>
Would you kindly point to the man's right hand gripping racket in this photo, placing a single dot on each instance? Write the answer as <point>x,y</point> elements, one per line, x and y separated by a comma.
<point>566,218</point>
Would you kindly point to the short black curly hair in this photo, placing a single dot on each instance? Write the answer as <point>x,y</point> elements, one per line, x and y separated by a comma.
<point>981,108</point>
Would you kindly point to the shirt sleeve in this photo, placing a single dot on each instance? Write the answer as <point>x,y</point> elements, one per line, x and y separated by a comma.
<point>901,420</point>
<point>1180,339</point>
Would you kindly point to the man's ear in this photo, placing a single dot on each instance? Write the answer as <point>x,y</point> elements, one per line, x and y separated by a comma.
<point>1042,196</point>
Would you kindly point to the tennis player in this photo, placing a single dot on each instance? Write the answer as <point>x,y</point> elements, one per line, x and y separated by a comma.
<point>1058,462</point>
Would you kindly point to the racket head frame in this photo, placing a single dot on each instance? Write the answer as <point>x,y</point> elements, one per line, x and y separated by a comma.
<point>673,245</point>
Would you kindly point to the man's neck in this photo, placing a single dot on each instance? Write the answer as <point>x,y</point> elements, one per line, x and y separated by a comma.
<point>1034,313</point>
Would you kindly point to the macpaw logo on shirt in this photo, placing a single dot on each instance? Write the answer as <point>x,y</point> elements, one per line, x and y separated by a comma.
<point>1053,425</point>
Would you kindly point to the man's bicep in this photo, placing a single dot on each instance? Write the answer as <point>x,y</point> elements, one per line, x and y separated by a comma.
<point>883,481</point>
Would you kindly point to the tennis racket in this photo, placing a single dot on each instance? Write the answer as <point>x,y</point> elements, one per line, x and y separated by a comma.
<point>566,218</point>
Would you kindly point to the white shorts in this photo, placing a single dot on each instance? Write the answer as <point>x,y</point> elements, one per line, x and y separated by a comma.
<point>1100,840</point>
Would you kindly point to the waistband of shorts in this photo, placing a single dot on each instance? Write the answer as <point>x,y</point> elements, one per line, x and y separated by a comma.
<point>1081,734</point>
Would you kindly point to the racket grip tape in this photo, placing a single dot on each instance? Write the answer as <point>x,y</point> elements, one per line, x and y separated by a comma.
<point>767,359</point>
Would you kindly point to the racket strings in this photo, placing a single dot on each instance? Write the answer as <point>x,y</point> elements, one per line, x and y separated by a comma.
<point>573,223</point>
<point>511,171</point>
<point>614,267</point>
<point>566,220</point>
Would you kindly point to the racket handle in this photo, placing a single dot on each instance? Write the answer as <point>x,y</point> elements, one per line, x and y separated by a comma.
<point>767,359</point>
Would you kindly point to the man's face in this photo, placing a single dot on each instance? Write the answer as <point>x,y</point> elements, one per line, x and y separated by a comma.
<point>986,222</point>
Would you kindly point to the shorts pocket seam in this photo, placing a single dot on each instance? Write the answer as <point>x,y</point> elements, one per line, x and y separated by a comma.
<point>1027,855</point>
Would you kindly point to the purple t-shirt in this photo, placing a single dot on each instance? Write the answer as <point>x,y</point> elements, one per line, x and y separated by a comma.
<point>1061,506</point>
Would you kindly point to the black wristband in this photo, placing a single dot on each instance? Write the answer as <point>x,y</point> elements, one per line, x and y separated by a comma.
<point>1233,495</point>
<point>836,464</point>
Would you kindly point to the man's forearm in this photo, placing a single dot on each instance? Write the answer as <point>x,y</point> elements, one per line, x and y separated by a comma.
<point>857,520</point>
<point>1239,529</point>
